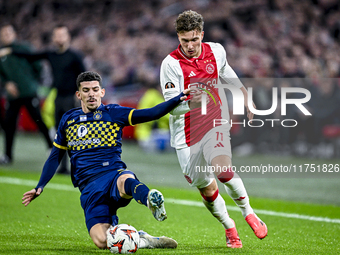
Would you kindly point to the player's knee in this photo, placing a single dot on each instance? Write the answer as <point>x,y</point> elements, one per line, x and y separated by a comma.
<point>100,241</point>
<point>122,178</point>
<point>210,190</point>
<point>210,196</point>
<point>121,185</point>
<point>101,246</point>
<point>98,235</point>
<point>225,176</point>
<point>121,181</point>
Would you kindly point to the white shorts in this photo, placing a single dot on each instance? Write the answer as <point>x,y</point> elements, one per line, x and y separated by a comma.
<point>195,160</point>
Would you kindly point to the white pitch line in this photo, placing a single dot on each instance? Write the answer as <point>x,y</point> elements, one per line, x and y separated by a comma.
<point>258,211</point>
<point>23,182</point>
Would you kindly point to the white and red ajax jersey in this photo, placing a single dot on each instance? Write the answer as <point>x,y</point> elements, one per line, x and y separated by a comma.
<point>178,73</point>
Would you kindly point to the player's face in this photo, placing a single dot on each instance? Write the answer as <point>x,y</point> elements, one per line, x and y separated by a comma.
<point>7,35</point>
<point>90,93</point>
<point>191,43</point>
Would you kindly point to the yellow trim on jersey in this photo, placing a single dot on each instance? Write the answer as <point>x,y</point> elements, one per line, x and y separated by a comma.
<point>130,116</point>
<point>59,146</point>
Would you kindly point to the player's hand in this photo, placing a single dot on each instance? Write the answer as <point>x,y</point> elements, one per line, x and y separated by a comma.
<point>196,98</point>
<point>30,195</point>
<point>185,92</point>
<point>250,115</point>
<point>5,51</point>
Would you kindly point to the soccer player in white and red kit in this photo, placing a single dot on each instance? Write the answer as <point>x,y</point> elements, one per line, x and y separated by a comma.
<point>199,144</point>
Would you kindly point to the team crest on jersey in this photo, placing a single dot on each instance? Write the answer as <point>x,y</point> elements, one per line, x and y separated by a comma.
<point>82,131</point>
<point>169,85</point>
<point>97,115</point>
<point>210,68</point>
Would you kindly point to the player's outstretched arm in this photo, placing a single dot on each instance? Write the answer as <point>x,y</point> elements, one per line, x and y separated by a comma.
<point>49,170</point>
<point>145,115</point>
<point>30,195</point>
<point>30,56</point>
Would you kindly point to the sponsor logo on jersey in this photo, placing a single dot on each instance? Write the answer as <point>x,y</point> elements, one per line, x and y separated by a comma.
<point>209,89</point>
<point>70,122</point>
<point>82,131</point>
<point>169,85</point>
<point>90,141</point>
<point>97,115</point>
<point>210,68</point>
<point>219,145</point>
<point>192,74</point>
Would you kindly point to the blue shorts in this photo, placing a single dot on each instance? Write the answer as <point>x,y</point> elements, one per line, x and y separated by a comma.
<point>100,199</point>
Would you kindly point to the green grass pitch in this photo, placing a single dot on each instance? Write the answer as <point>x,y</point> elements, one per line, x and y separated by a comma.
<point>54,223</point>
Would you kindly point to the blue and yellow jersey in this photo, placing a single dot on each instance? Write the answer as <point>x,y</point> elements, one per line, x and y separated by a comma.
<point>93,140</point>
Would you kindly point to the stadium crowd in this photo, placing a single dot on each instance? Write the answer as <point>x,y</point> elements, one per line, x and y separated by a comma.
<point>126,40</point>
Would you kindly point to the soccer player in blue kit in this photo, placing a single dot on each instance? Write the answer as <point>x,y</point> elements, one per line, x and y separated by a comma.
<point>92,137</point>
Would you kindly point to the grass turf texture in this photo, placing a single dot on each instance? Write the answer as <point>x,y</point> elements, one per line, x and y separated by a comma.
<point>54,224</point>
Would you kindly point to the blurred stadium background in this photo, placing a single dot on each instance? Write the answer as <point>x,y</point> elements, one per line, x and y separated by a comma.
<point>125,41</point>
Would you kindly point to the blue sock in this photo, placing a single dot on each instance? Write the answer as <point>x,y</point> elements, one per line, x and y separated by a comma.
<point>139,191</point>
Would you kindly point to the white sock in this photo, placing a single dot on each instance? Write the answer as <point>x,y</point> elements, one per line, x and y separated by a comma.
<point>219,211</point>
<point>238,193</point>
<point>142,243</point>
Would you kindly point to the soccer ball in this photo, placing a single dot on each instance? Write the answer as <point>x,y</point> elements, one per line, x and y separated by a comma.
<point>122,239</point>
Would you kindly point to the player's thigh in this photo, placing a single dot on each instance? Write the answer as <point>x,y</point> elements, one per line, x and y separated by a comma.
<point>221,163</point>
<point>95,202</point>
<point>217,147</point>
<point>194,167</point>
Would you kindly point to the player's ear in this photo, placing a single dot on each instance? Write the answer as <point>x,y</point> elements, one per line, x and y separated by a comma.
<point>102,93</point>
<point>202,35</point>
<point>78,95</point>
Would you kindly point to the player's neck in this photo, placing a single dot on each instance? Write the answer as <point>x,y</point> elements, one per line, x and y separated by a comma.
<point>87,110</point>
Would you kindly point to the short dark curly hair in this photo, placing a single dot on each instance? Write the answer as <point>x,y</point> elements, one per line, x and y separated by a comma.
<point>88,76</point>
<point>189,21</point>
